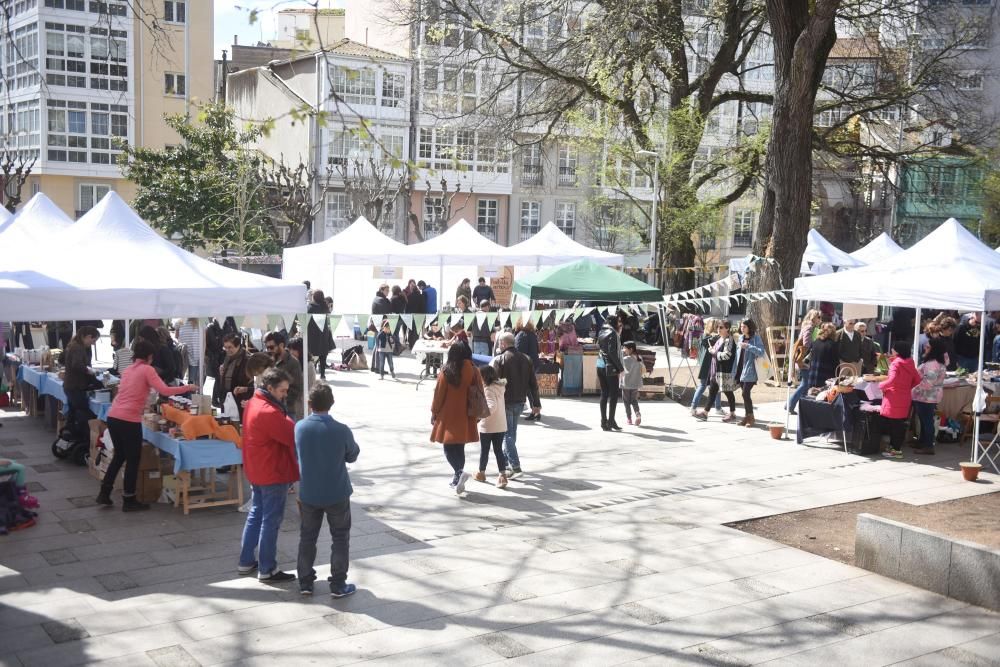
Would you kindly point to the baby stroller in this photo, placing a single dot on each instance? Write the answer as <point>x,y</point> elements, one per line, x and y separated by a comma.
<point>73,441</point>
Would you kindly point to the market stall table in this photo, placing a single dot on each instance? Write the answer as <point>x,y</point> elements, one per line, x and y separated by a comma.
<point>434,352</point>
<point>203,456</point>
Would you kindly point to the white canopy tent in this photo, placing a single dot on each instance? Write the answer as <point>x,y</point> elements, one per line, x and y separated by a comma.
<point>823,257</point>
<point>948,269</point>
<point>551,246</point>
<point>110,264</point>
<point>879,249</point>
<point>36,227</point>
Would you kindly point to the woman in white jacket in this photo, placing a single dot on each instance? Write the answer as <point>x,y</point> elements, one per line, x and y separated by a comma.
<point>493,428</point>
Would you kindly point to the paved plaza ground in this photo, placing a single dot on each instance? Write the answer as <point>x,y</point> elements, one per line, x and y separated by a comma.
<point>610,549</point>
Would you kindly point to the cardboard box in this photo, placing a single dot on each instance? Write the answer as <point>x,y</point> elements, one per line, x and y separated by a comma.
<point>148,486</point>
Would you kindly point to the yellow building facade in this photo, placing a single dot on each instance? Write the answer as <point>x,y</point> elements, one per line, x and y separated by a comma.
<point>92,72</point>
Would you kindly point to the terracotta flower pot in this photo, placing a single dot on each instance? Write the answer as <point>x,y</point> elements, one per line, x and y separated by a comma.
<point>777,431</point>
<point>970,471</point>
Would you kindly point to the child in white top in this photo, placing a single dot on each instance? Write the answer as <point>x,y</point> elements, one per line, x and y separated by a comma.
<point>493,428</point>
<point>631,382</point>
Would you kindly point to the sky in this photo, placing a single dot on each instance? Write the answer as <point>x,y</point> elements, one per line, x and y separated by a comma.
<point>232,17</point>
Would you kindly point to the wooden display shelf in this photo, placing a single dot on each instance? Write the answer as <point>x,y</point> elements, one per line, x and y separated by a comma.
<point>197,489</point>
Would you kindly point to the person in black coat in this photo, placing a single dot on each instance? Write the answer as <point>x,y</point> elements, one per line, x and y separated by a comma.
<point>380,304</point>
<point>320,340</point>
<point>397,304</point>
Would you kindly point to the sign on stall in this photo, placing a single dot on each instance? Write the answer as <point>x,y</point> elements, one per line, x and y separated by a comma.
<point>502,282</point>
<point>859,311</point>
<point>388,272</point>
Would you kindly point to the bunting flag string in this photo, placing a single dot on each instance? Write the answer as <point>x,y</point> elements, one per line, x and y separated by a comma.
<point>319,320</point>
<point>335,321</point>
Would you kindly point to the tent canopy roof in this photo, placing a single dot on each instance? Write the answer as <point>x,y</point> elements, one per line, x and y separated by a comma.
<point>586,280</point>
<point>821,256</point>
<point>360,244</point>
<point>552,246</point>
<point>880,248</point>
<point>110,264</point>
<point>949,268</point>
<point>461,244</point>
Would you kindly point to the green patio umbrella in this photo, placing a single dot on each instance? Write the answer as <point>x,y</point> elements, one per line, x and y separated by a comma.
<point>585,280</point>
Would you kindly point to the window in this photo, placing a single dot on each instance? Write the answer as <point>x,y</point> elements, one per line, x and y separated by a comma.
<point>337,208</point>
<point>566,217</point>
<point>392,145</point>
<point>90,195</point>
<point>75,5</point>
<point>354,86</point>
<point>743,228</point>
<point>531,164</point>
<point>393,90</point>
<point>531,213</point>
<point>174,84</point>
<point>433,217</point>
<point>487,217</point>
<point>345,145</point>
<point>175,11</point>
<point>970,81</point>
<point>468,91</point>
<point>567,166</point>
<point>429,98</point>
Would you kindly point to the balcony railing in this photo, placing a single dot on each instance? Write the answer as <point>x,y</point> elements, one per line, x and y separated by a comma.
<point>489,231</point>
<point>567,179</point>
<point>531,176</point>
<point>527,231</point>
<point>742,239</point>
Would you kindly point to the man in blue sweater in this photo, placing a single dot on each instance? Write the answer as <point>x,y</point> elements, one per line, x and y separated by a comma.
<point>324,447</point>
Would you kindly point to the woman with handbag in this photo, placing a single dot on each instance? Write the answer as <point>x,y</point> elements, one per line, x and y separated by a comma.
<point>824,357</point>
<point>704,363</point>
<point>749,349</point>
<point>720,373</point>
<point>455,411</point>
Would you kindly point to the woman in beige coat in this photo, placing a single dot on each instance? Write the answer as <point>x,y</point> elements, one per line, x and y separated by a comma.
<point>452,425</point>
<point>492,429</point>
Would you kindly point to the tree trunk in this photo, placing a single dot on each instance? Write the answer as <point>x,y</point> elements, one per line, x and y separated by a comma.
<point>802,40</point>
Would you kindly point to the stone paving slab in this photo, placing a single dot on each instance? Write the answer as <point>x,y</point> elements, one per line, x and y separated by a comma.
<point>607,550</point>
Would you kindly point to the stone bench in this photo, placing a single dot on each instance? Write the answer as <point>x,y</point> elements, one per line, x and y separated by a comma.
<point>962,570</point>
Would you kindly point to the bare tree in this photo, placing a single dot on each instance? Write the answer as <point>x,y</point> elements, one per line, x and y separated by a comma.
<point>373,187</point>
<point>294,196</point>
<point>441,208</point>
<point>15,167</point>
<point>611,225</point>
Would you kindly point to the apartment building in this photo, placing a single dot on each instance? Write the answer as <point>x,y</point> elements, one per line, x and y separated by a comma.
<point>332,110</point>
<point>79,74</point>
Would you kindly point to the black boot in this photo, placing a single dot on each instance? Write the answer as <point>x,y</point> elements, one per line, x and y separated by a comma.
<point>604,425</point>
<point>104,497</point>
<point>130,504</point>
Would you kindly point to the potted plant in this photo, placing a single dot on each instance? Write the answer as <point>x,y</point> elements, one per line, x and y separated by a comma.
<point>777,430</point>
<point>970,470</point>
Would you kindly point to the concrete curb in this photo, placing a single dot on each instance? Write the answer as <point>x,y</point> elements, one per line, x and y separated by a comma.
<point>962,570</point>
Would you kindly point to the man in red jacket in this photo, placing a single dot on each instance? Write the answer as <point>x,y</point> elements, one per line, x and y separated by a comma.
<point>271,466</point>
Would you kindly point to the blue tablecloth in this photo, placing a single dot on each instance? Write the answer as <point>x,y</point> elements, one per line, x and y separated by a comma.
<point>195,454</point>
<point>481,360</point>
<point>100,409</point>
<point>46,384</point>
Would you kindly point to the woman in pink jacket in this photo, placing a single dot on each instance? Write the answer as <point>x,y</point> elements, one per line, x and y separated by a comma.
<point>897,396</point>
<point>125,423</point>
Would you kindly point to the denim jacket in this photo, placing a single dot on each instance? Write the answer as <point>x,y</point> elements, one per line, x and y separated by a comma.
<point>755,348</point>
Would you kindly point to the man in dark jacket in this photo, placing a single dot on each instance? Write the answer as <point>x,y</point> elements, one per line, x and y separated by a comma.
<point>79,379</point>
<point>517,369</point>
<point>483,292</point>
<point>849,346</point>
<point>381,304</point>
<point>275,343</point>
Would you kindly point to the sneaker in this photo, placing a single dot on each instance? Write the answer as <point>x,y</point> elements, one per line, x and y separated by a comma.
<point>694,412</point>
<point>277,577</point>
<point>480,476</point>
<point>130,504</point>
<point>892,454</point>
<point>245,507</point>
<point>513,472</point>
<point>306,589</point>
<point>720,412</point>
<point>462,479</point>
<point>342,591</point>
<point>502,481</point>
<point>728,417</point>
<point>454,482</point>
<point>701,414</point>
<point>638,419</point>
<point>244,570</point>
<point>104,498</point>
<point>629,421</point>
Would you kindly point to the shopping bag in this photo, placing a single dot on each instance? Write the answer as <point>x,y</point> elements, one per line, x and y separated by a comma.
<point>764,368</point>
<point>230,409</point>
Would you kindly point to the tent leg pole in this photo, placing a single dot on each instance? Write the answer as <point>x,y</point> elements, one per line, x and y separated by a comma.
<point>305,366</point>
<point>916,339</point>
<point>979,389</point>
<point>128,333</point>
<point>790,361</point>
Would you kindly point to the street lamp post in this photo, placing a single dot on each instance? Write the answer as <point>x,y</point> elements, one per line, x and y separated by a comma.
<point>656,187</point>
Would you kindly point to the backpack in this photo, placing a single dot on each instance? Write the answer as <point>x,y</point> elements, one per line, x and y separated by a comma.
<point>477,407</point>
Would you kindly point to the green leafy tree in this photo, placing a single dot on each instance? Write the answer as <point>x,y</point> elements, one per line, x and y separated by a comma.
<point>991,203</point>
<point>209,191</point>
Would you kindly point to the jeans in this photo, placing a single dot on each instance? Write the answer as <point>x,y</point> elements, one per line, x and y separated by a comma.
<point>925,414</point>
<point>127,439</point>
<point>267,509</point>
<point>338,518</point>
<point>793,401</point>
<point>630,397</point>
<point>700,391</point>
<point>494,440</point>
<point>194,374</point>
<point>456,458</point>
<point>968,363</point>
<point>79,414</point>
<point>609,394</point>
<point>747,400</point>
<point>514,411</point>
<point>481,347</point>
<point>382,358</point>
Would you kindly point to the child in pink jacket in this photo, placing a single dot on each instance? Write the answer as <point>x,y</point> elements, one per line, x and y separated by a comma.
<point>897,396</point>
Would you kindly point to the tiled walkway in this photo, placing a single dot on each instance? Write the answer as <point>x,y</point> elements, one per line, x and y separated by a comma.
<point>608,550</point>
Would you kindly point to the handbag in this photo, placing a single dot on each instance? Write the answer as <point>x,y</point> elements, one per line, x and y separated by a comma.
<point>726,381</point>
<point>477,407</point>
<point>764,368</point>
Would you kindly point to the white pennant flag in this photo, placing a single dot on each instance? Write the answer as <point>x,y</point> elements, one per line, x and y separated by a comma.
<point>319,320</point>
<point>408,320</point>
<point>480,319</point>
